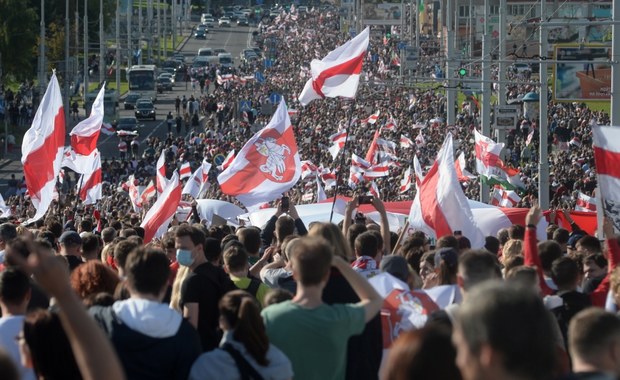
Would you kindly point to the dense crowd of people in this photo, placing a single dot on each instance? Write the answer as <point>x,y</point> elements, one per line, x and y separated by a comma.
<point>83,295</point>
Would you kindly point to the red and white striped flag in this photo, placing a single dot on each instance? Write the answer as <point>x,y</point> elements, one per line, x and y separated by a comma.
<point>417,169</point>
<point>420,141</point>
<point>134,194</point>
<point>206,168</point>
<point>338,73</point>
<point>194,184</point>
<point>530,137</point>
<point>405,183</point>
<point>161,181</point>
<point>329,178</point>
<point>585,203</point>
<point>338,139</point>
<point>185,171</point>
<point>90,185</point>
<point>376,171</point>
<point>227,161</point>
<point>405,142</point>
<point>308,170</point>
<point>440,206</point>
<point>391,124</point>
<point>43,148</point>
<point>267,166</point>
<point>107,129</point>
<point>157,219</point>
<point>461,172</point>
<point>148,192</point>
<point>372,118</point>
<point>374,189</point>
<point>371,155</point>
<point>356,176</point>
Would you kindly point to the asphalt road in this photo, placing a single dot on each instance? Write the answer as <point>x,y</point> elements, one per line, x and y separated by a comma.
<point>234,39</point>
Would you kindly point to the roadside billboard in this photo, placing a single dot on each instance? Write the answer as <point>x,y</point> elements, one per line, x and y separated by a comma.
<point>377,12</point>
<point>582,81</point>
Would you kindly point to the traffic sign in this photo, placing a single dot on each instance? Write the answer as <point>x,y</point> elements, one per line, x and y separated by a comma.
<point>219,159</point>
<point>245,105</point>
<point>506,116</point>
<point>260,78</point>
<point>275,98</point>
<point>401,45</point>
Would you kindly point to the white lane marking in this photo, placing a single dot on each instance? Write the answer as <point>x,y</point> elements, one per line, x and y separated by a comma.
<point>153,131</point>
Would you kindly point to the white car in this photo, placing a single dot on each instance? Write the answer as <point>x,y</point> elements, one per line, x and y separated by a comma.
<point>224,21</point>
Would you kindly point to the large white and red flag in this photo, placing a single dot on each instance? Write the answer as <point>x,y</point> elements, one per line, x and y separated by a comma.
<point>90,185</point>
<point>461,172</point>
<point>371,155</point>
<point>194,184</point>
<point>441,205</point>
<point>227,161</point>
<point>161,181</point>
<point>206,168</point>
<point>338,74</point>
<point>42,149</point>
<point>148,193</point>
<point>267,165</point>
<point>504,198</point>
<point>491,168</point>
<point>417,170</point>
<point>607,158</point>
<point>405,142</point>
<point>585,203</point>
<point>157,219</point>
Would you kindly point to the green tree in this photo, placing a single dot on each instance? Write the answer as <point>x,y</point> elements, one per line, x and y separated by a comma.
<point>18,38</point>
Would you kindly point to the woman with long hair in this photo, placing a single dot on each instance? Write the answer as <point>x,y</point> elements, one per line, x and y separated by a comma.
<point>245,349</point>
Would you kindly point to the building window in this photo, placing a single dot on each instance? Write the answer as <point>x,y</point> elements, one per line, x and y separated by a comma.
<point>463,11</point>
<point>494,10</point>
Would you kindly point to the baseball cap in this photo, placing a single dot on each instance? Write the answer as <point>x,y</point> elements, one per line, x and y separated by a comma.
<point>396,266</point>
<point>70,238</point>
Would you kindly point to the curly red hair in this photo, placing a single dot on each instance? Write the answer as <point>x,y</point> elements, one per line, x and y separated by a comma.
<point>92,278</point>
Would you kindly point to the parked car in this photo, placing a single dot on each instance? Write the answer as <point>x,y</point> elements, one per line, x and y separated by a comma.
<point>224,21</point>
<point>127,124</point>
<point>130,100</point>
<point>145,110</point>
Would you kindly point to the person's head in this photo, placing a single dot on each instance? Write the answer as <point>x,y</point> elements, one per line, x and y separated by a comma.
<point>589,245</point>
<point>334,236</point>
<point>85,225</point>
<point>277,295</point>
<point>127,232</point>
<point>70,243</point>
<point>107,235</point>
<point>565,273</point>
<point>45,347</point>
<point>524,276</point>
<point>594,266</point>
<point>513,247</point>
<point>426,353</point>
<point>464,243</point>
<point>561,236</point>
<point>446,265</point>
<point>8,369</point>
<point>549,251</point>
<point>147,273</point>
<point>366,244</point>
<point>396,266</point>
<point>121,251</point>
<point>15,291</point>
<point>90,246</point>
<point>427,265</point>
<point>448,241</point>
<point>250,238</point>
<point>476,267</point>
<point>503,236</point>
<point>516,231</point>
<point>413,249</point>
<point>189,242</point>
<point>550,230</point>
<point>213,250</point>
<point>311,260</point>
<point>354,231</point>
<point>240,312</point>
<point>285,225</point>
<point>92,278</point>
<point>504,331</point>
<point>8,231</point>
<point>236,260</point>
<point>594,341</point>
<point>491,244</point>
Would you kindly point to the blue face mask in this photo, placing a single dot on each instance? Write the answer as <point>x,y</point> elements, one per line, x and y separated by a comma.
<point>184,257</point>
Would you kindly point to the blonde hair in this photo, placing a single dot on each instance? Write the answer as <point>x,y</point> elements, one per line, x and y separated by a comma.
<point>512,248</point>
<point>334,236</point>
<point>614,278</point>
<point>175,297</point>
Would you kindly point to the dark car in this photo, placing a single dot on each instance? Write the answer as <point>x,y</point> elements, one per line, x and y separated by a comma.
<point>164,84</point>
<point>242,21</point>
<point>127,124</point>
<point>145,110</point>
<point>200,34</point>
<point>130,101</point>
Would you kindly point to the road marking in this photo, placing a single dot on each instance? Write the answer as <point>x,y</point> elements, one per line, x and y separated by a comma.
<point>153,131</point>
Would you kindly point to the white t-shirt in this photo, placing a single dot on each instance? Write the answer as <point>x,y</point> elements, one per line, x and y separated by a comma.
<point>10,327</point>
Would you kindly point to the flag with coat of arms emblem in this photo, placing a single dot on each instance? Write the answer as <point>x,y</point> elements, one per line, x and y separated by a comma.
<point>267,165</point>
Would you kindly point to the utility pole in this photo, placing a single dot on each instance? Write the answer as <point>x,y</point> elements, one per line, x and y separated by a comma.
<point>450,91</point>
<point>485,111</point>
<point>102,65</point>
<point>67,106</point>
<point>149,23</point>
<point>543,173</point>
<point>140,32</point>
<point>117,60</point>
<point>86,73</point>
<point>159,39</point>
<point>165,31</point>
<point>129,34</point>
<point>173,20</point>
<point>615,69</point>
<point>501,96</point>
<point>42,79</point>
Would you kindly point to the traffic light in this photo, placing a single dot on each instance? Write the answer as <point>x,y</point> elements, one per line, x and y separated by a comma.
<point>388,35</point>
<point>462,71</point>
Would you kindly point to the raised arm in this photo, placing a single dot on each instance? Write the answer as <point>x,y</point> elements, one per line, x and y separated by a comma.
<point>266,234</point>
<point>599,295</point>
<point>530,247</point>
<point>94,354</point>
<point>299,224</point>
<point>385,225</point>
<point>348,215</point>
<point>369,298</point>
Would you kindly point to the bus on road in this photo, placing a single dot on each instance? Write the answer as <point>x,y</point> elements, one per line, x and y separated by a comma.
<point>143,80</point>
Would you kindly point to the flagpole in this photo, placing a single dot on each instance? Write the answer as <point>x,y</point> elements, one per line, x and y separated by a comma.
<point>342,158</point>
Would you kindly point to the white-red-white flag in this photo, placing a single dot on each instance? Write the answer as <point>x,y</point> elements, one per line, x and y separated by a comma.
<point>185,171</point>
<point>227,161</point>
<point>194,184</point>
<point>420,141</point>
<point>417,170</point>
<point>329,178</point>
<point>461,172</point>
<point>391,124</point>
<point>504,198</point>
<point>441,204</point>
<point>85,134</point>
<point>308,170</point>
<point>338,73</point>
<point>405,142</point>
<point>585,203</point>
<point>371,155</point>
<point>372,118</point>
<point>89,185</point>
<point>405,183</point>
<point>42,149</point>
<point>607,158</point>
<point>267,166</point>
<point>374,189</point>
<point>206,168</point>
<point>148,192</point>
<point>107,129</point>
<point>134,194</point>
<point>161,181</point>
<point>157,219</point>
<point>338,139</point>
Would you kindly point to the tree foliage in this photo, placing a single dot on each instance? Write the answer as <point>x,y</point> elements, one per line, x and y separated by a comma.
<point>18,38</point>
